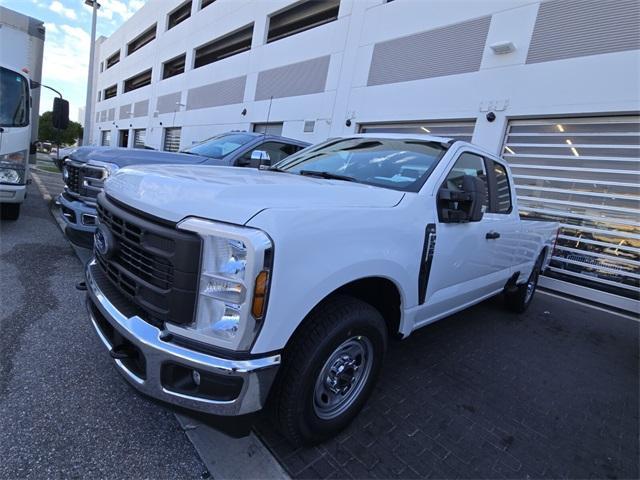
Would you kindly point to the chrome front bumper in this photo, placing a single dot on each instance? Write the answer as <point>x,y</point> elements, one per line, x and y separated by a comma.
<point>257,374</point>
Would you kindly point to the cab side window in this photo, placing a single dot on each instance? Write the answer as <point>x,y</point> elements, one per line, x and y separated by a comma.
<point>501,202</point>
<point>467,164</point>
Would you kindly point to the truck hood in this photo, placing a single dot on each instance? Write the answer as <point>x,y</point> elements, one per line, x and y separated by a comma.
<point>235,195</point>
<point>124,157</point>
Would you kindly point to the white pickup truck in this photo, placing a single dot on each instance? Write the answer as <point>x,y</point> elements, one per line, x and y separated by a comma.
<point>224,290</point>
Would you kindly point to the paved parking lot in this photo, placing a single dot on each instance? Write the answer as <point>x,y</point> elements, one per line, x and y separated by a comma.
<point>64,410</point>
<point>485,394</point>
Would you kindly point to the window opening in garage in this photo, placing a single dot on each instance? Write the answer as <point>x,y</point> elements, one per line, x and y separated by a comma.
<point>141,40</point>
<point>141,80</point>
<point>173,67</point>
<point>223,47</point>
<point>110,92</point>
<point>105,138</point>
<point>206,3</point>
<point>179,15</point>
<point>268,128</point>
<point>301,17</point>
<point>113,59</point>
<point>171,142</point>
<point>583,173</point>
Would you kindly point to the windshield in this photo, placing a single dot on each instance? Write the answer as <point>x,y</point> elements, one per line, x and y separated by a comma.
<point>14,99</point>
<point>219,146</point>
<point>401,164</point>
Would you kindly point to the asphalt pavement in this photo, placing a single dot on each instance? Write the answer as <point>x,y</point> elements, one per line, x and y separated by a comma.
<point>64,410</point>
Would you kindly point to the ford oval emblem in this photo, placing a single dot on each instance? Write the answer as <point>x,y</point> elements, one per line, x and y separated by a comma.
<point>103,242</point>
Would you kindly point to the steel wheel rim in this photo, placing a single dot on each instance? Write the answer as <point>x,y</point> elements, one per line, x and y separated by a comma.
<point>531,286</point>
<point>342,377</point>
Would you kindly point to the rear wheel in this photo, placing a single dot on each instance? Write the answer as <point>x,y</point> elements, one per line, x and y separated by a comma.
<point>329,370</point>
<point>519,299</point>
<point>9,211</point>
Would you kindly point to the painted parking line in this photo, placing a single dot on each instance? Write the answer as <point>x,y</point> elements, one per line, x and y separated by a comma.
<point>41,186</point>
<point>589,305</point>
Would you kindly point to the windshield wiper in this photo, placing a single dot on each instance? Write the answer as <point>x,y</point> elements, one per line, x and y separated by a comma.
<point>329,175</point>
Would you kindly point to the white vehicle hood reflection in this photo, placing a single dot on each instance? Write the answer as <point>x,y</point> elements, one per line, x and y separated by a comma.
<point>234,195</point>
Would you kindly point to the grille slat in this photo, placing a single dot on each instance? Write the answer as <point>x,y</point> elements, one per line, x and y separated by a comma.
<point>154,266</point>
<point>76,176</point>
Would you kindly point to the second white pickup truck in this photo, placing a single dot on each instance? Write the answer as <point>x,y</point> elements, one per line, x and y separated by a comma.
<point>225,290</point>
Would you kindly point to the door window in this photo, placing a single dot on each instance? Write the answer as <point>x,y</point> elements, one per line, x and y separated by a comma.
<point>467,164</point>
<point>501,193</point>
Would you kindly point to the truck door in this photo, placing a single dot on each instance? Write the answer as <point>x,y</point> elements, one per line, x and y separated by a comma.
<point>463,266</point>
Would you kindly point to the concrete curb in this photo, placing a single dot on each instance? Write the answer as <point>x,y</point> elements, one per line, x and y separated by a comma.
<point>227,457</point>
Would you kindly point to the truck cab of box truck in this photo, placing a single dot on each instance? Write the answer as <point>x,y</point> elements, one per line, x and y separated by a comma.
<point>15,138</point>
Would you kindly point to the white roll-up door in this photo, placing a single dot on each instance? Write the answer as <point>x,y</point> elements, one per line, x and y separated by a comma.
<point>585,174</point>
<point>460,130</point>
<point>139,136</point>
<point>105,139</point>
<point>171,139</point>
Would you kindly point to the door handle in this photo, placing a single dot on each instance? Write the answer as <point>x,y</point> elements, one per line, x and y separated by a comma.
<point>492,235</point>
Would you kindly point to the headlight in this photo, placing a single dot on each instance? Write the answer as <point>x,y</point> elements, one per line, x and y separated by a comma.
<point>233,286</point>
<point>95,174</point>
<point>15,158</point>
<point>9,175</point>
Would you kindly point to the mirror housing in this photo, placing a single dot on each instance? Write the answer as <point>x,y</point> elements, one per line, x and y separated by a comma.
<point>260,159</point>
<point>464,206</point>
<point>60,117</point>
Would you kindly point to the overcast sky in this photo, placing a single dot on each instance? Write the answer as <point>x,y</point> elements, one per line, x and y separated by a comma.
<point>66,47</point>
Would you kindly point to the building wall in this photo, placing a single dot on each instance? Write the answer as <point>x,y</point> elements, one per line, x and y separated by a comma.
<point>22,45</point>
<point>464,88</point>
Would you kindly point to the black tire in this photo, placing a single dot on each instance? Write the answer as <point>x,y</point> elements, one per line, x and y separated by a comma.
<point>294,399</point>
<point>9,211</point>
<point>518,300</point>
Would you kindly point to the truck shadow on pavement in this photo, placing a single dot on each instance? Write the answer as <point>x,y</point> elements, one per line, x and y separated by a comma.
<point>486,394</point>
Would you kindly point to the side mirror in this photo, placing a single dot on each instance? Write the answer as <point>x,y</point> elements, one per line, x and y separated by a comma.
<point>33,148</point>
<point>455,206</point>
<point>60,117</point>
<point>260,159</point>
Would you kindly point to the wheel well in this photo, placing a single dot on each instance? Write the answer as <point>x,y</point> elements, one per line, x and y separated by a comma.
<point>380,293</point>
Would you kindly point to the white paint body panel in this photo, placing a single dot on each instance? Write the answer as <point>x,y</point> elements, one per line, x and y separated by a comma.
<point>327,233</point>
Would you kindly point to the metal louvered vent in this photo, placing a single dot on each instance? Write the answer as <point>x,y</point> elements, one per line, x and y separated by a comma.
<point>225,92</point>
<point>139,136</point>
<point>302,78</point>
<point>583,173</point>
<point>460,130</point>
<point>171,139</point>
<point>577,28</point>
<point>449,50</point>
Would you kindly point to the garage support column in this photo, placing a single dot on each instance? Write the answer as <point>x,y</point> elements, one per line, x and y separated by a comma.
<point>490,135</point>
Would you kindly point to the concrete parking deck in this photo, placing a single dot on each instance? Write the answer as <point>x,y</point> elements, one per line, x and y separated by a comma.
<point>487,394</point>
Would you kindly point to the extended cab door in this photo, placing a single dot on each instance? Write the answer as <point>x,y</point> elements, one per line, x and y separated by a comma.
<point>463,264</point>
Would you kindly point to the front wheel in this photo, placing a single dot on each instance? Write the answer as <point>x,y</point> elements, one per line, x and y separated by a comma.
<point>329,370</point>
<point>519,300</point>
<point>9,211</point>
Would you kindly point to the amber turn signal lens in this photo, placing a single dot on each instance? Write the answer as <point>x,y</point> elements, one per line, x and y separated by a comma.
<point>259,294</point>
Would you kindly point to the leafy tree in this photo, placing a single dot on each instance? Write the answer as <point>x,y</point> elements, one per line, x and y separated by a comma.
<point>46,132</point>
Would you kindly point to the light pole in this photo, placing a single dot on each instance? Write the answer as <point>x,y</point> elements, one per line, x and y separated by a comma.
<point>88,112</point>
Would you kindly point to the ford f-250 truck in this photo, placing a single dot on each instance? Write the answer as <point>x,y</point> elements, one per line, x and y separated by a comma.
<point>224,290</point>
<point>86,169</point>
